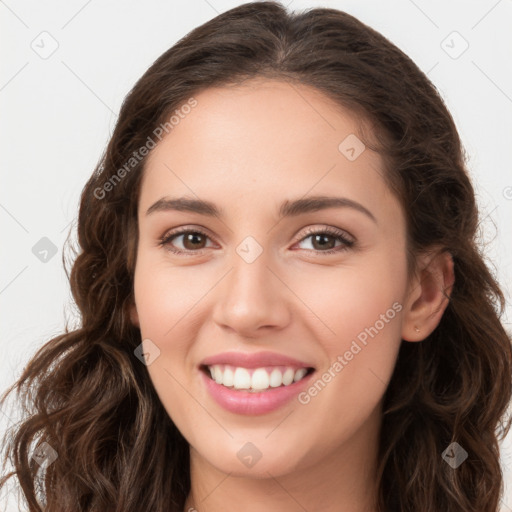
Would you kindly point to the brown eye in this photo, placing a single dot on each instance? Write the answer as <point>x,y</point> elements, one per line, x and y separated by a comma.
<point>321,238</point>
<point>324,241</point>
<point>192,241</point>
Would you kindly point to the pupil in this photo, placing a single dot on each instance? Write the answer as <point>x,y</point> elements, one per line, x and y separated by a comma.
<point>191,238</point>
<point>318,238</point>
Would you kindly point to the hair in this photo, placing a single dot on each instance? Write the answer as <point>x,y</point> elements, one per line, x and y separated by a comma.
<point>86,394</point>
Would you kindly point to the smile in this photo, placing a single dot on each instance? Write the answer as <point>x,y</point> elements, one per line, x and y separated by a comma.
<point>255,379</point>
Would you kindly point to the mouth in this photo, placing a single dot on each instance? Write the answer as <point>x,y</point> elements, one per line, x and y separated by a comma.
<point>255,380</point>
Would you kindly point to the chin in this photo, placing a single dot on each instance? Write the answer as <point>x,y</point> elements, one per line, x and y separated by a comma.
<point>245,459</point>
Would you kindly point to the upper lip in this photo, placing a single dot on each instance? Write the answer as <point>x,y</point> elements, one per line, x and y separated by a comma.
<point>254,360</point>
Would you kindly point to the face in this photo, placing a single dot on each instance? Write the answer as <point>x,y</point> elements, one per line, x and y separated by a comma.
<point>320,289</point>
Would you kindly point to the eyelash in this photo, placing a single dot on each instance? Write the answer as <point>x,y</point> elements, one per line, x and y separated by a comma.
<point>338,235</point>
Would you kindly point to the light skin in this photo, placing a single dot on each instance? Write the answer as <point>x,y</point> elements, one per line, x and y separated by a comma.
<point>247,149</point>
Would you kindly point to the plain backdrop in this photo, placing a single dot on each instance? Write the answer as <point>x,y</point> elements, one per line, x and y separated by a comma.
<point>66,68</point>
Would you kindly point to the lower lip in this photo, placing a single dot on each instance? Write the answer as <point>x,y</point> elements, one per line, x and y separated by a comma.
<point>245,402</point>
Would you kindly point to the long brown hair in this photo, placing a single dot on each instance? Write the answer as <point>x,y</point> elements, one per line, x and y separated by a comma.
<point>91,400</point>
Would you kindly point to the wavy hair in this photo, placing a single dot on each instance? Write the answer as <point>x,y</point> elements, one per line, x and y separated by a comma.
<point>90,399</point>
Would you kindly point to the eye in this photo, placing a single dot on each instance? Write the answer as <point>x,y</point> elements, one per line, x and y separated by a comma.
<point>193,240</point>
<point>318,237</point>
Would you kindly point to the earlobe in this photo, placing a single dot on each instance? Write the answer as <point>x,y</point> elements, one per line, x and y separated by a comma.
<point>429,296</point>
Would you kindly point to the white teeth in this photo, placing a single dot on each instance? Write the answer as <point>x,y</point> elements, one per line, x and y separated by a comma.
<point>242,379</point>
<point>288,376</point>
<point>276,378</point>
<point>228,378</point>
<point>217,374</point>
<point>260,379</point>
<point>299,374</point>
<point>257,379</point>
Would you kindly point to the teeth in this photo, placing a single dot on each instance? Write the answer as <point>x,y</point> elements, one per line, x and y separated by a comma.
<point>217,374</point>
<point>228,378</point>
<point>276,378</point>
<point>299,374</point>
<point>260,379</point>
<point>242,379</point>
<point>288,376</point>
<point>257,379</point>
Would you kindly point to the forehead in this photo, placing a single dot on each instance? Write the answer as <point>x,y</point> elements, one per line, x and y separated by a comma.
<point>270,113</point>
<point>261,141</point>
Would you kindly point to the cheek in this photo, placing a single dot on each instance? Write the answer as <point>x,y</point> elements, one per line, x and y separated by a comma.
<point>360,309</point>
<point>167,298</point>
<point>165,301</point>
<point>349,301</point>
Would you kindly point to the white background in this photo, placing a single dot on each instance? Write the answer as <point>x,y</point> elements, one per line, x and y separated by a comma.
<point>58,113</point>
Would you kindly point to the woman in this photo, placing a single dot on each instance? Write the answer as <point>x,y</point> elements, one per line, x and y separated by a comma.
<point>283,303</point>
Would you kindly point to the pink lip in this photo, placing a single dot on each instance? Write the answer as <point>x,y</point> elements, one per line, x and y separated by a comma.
<point>245,402</point>
<point>255,360</point>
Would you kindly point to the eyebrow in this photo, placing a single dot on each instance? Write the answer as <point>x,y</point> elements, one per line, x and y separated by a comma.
<point>288,208</point>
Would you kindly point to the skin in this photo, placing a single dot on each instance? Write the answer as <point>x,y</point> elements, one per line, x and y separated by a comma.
<point>247,149</point>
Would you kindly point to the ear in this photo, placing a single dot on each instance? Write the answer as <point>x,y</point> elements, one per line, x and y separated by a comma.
<point>428,296</point>
<point>134,316</point>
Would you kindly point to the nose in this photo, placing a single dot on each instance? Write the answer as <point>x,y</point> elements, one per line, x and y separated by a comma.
<point>252,298</point>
